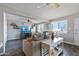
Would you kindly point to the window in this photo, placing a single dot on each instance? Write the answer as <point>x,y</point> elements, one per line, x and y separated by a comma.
<point>60,26</point>
<point>34,29</point>
<point>40,27</point>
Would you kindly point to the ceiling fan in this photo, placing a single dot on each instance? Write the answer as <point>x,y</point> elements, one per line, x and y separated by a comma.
<point>29,21</point>
<point>52,5</point>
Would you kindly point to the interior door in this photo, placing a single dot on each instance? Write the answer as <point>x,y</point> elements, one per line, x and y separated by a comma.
<point>76,31</point>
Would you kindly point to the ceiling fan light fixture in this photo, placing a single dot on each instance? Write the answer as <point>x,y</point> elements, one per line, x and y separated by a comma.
<point>54,5</point>
<point>51,5</point>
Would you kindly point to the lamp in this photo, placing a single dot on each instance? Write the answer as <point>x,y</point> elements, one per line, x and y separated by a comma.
<point>56,31</point>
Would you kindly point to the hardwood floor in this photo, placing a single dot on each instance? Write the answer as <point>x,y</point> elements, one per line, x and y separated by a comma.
<point>70,50</point>
<point>14,48</point>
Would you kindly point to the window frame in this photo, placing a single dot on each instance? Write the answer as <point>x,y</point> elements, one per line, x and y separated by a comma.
<point>60,21</point>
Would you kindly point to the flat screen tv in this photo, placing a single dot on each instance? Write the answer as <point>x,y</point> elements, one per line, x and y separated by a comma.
<point>25,29</point>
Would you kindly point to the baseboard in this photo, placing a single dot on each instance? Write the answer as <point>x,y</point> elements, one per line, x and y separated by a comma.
<point>71,43</point>
<point>13,39</point>
<point>68,42</point>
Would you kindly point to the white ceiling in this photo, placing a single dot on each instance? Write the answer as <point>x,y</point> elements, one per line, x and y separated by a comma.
<point>45,13</point>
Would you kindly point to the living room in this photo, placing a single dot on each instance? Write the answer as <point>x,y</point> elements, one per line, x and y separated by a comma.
<point>30,26</point>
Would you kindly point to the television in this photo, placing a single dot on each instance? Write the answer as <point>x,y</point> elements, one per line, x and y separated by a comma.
<point>25,32</point>
<point>26,29</point>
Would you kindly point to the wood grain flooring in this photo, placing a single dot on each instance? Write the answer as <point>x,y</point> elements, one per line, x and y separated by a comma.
<point>70,50</point>
<point>14,48</point>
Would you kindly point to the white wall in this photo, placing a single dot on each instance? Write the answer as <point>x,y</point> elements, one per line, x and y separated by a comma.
<point>1,29</point>
<point>1,24</point>
<point>11,32</point>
